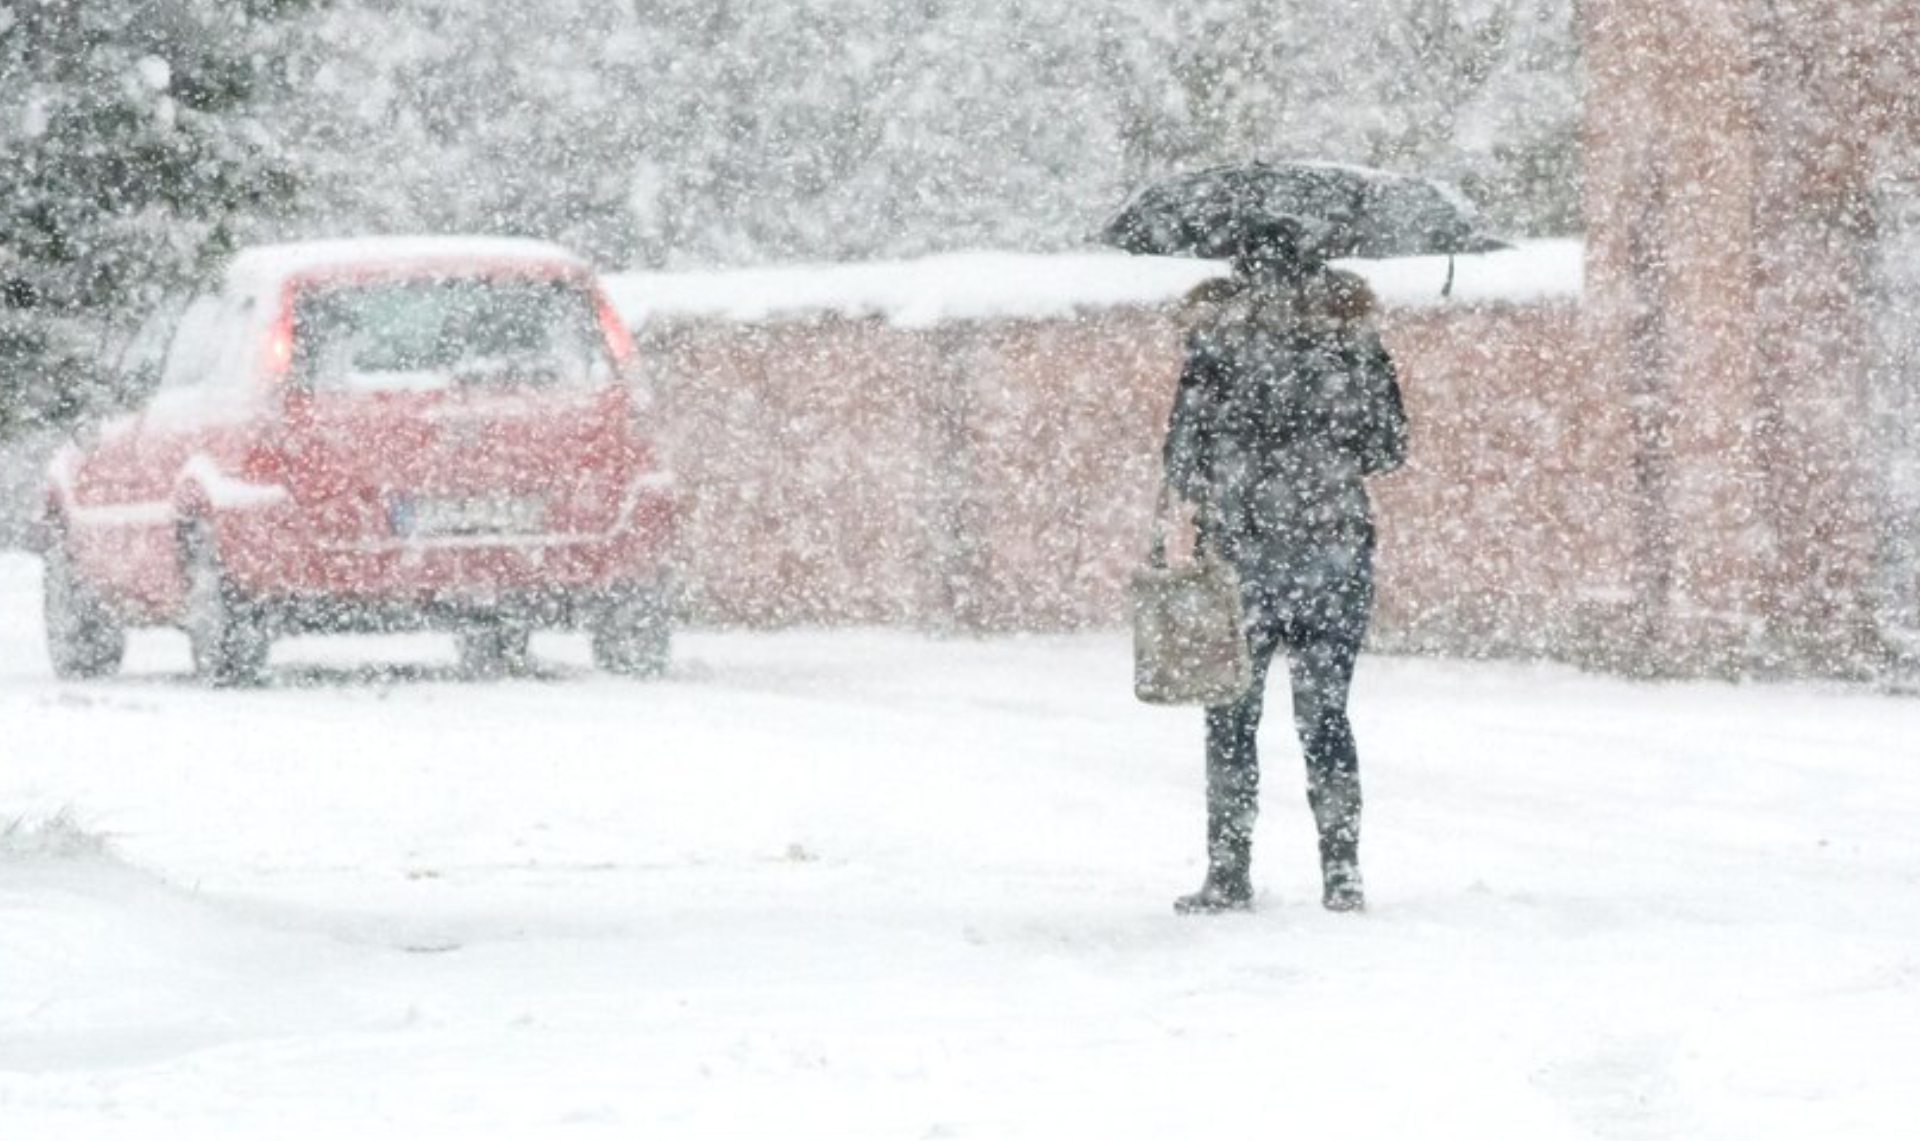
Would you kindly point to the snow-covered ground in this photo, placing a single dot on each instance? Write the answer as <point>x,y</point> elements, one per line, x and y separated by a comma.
<point>874,884</point>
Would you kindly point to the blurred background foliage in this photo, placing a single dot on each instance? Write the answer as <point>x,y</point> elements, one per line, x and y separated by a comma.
<point>141,139</point>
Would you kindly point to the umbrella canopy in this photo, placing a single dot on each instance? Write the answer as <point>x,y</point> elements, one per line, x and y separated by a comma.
<point>1342,212</point>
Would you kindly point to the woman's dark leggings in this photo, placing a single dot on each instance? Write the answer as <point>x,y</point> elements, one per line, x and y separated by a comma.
<point>1321,649</point>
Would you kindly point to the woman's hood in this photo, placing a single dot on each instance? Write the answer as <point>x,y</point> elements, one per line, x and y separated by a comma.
<point>1333,294</point>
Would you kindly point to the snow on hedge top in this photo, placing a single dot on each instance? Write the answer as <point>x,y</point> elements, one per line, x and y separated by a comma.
<point>1547,269</point>
<point>278,262</point>
<point>913,294</point>
<point>985,285</point>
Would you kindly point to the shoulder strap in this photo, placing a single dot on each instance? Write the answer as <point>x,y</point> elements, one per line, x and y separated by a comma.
<point>1157,550</point>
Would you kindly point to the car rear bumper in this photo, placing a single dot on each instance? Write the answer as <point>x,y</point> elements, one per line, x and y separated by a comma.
<point>548,607</point>
<point>278,553</point>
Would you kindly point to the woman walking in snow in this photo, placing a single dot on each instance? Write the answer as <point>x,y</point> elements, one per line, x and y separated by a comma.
<point>1287,402</point>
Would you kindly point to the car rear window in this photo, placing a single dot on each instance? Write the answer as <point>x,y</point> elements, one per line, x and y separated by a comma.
<point>447,332</point>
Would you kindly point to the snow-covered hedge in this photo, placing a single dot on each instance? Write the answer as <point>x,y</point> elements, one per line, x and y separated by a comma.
<point>988,285</point>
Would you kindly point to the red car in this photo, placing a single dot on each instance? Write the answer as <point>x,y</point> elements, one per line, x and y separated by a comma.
<point>387,434</point>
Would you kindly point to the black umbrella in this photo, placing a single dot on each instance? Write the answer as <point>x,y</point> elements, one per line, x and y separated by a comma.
<point>1342,211</point>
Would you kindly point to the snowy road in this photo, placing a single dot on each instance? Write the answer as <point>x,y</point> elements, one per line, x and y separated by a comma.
<point>865,884</point>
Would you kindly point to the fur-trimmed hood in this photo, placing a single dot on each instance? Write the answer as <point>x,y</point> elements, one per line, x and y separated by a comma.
<point>1335,294</point>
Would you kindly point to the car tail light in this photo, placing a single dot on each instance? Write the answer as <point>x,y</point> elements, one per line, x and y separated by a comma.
<point>619,340</point>
<point>277,356</point>
<point>629,365</point>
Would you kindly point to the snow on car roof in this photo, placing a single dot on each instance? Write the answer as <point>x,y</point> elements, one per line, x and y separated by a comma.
<point>984,285</point>
<point>278,262</point>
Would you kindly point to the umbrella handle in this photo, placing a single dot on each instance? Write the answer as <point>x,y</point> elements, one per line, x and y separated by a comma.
<point>1446,290</point>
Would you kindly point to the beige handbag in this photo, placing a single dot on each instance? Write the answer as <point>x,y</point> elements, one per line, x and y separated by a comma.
<point>1189,643</point>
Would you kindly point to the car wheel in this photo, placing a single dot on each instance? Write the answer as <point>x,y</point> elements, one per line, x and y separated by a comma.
<point>84,639</point>
<point>499,649</point>
<point>225,628</point>
<point>633,636</point>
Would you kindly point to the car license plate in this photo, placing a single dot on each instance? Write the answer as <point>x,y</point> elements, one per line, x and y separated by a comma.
<point>429,517</point>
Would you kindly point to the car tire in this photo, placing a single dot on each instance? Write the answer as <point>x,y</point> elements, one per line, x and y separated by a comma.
<point>225,628</point>
<point>84,639</point>
<point>633,636</point>
<point>499,649</point>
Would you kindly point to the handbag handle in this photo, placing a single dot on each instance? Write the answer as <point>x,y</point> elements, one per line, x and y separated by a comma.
<point>1162,508</point>
<point>1157,550</point>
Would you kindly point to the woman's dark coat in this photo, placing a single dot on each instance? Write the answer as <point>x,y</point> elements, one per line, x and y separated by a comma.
<point>1287,402</point>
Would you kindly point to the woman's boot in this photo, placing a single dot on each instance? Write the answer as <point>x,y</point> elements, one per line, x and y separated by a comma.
<point>1341,886</point>
<point>1233,804</point>
<point>1229,882</point>
<point>1336,812</point>
<point>1228,887</point>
